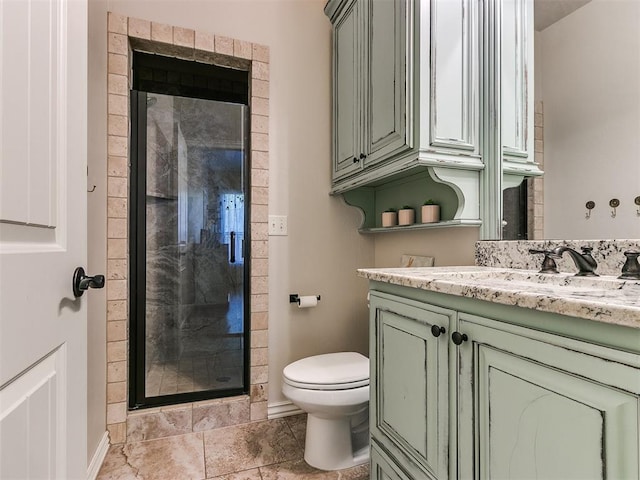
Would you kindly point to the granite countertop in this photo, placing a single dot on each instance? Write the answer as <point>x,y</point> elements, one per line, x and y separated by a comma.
<point>604,299</point>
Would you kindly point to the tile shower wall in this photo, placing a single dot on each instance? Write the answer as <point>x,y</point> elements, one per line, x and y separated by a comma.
<point>123,34</point>
<point>535,200</point>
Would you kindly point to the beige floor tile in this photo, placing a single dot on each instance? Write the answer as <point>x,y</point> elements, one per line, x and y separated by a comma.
<point>298,425</point>
<point>233,449</point>
<point>296,470</point>
<point>253,474</point>
<point>361,472</point>
<point>257,451</point>
<point>180,457</point>
<point>299,470</point>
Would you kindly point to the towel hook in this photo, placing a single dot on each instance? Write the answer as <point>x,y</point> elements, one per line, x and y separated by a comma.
<point>590,206</point>
<point>614,203</point>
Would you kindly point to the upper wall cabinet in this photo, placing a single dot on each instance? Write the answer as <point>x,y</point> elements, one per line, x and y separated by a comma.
<point>409,94</point>
<point>370,68</point>
<point>517,113</point>
<point>406,95</point>
<point>346,91</point>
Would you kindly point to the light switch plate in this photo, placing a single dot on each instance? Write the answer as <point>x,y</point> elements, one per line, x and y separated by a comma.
<point>277,225</point>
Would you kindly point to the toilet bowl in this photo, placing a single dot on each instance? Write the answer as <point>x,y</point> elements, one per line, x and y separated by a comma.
<point>334,391</point>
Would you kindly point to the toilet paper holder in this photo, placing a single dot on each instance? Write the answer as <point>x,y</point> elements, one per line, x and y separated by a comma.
<point>295,298</point>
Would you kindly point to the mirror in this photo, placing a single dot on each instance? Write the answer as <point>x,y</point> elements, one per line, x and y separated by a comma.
<point>587,134</point>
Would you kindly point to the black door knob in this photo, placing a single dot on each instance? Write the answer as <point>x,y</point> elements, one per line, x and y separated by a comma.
<point>458,337</point>
<point>82,282</point>
<point>436,330</point>
<point>355,160</point>
<point>362,156</point>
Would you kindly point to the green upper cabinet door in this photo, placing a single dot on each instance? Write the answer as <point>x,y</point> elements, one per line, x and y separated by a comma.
<point>449,92</point>
<point>369,83</point>
<point>405,84</point>
<point>415,99</point>
<point>534,405</point>
<point>517,87</point>
<point>409,414</point>
<point>385,82</point>
<point>347,115</point>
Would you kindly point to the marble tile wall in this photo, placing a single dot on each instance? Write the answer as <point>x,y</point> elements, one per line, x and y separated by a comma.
<point>125,34</point>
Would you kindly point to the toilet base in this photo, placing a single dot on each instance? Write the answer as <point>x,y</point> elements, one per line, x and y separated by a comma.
<point>337,453</point>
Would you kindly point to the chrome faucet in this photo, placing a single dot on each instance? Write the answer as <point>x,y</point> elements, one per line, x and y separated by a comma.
<point>584,261</point>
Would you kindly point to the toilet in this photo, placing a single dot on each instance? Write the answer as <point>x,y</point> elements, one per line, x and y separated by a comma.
<point>334,391</point>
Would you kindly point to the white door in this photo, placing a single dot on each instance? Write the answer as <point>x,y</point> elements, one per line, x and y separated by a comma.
<point>43,69</point>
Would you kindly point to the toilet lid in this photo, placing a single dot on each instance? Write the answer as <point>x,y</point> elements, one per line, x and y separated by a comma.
<point>332,371</point>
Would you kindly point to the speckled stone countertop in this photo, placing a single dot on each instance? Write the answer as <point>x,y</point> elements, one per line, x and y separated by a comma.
<point>604,299</point>
<point>609,254</point>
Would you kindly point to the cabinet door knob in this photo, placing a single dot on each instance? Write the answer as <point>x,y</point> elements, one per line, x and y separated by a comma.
<point>436,330</point>
<point>362,156</point>
<point>355,160</point>
<point>458,337</point>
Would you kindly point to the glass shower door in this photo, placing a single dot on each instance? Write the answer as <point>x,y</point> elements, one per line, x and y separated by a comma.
<point>191,257</point>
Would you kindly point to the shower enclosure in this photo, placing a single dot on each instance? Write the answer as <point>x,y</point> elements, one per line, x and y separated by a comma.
<point>189,220</point>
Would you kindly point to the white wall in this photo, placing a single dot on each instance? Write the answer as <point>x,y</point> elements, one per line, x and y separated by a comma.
<point>591,93</point>
<point>449,246</point>
<point>97,225</point>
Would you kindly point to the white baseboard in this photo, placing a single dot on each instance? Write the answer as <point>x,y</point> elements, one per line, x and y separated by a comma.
<point>282,409</point>
<point>98,457</point>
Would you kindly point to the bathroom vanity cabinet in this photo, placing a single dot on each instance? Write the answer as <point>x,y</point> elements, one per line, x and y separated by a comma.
<point>409,96</point>
<point>525,394</point>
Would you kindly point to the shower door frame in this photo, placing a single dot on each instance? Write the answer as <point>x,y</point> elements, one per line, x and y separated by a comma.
<point>137,268</point>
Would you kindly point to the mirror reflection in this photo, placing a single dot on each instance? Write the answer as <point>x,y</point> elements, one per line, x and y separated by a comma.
<point>587,124</point>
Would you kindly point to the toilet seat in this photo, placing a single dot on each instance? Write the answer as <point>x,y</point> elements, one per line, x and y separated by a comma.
<point>332,371</point>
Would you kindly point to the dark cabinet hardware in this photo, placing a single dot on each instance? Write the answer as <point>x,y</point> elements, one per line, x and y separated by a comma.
<point>458,337</point>
<point>436,330</point>
<point>362,156</point>
<point>82,282</point>
<point>355,160</point>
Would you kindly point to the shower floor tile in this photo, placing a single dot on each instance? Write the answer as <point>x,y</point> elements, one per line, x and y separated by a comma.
<point>267,450</point>
<point>194,374</point>
<point>203,352</point>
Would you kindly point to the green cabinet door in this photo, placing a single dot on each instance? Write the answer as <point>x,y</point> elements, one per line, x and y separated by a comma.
<point>385,468</point>
<point>453,100</point>
<point>534,405</point>
<point>409,381</point>
<point>517,87</point>
<point>386,81</point>
<point>347,114</point>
